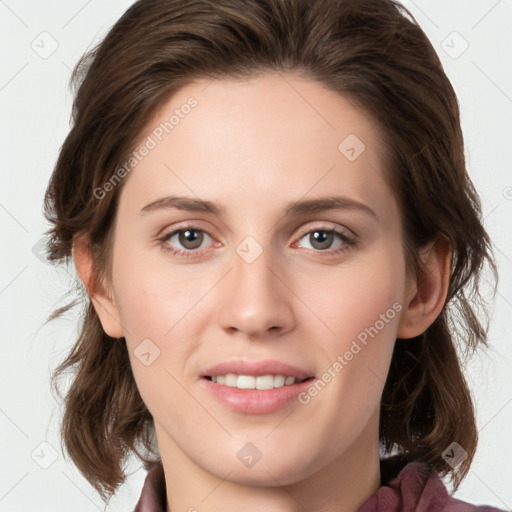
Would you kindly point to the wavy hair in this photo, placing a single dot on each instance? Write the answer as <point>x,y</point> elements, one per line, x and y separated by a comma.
<point>370,51</point>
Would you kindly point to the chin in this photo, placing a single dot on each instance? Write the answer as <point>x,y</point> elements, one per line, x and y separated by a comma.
<point>272,472</point>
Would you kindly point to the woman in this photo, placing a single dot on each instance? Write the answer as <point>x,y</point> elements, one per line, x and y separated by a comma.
<point>268,207</point>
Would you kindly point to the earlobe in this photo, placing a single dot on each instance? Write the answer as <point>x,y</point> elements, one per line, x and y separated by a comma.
<point>428,292</point>
<point>104,304</point>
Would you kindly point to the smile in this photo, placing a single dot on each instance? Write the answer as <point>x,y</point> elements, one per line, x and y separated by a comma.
<point>262,382</point>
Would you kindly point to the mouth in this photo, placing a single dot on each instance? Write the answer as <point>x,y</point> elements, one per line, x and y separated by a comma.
<point>260,382</point>
<point>258,375</point>
<point>255,388</point>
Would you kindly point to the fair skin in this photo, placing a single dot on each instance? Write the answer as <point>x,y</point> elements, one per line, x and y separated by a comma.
<point>254,147</point>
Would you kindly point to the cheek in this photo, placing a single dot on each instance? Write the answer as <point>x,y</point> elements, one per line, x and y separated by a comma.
<point>160,317</point>
<point>362,309</point>
<point>162,309</point>
<point>352,300</point>
<point>159,340</point>
<point>152,297</point>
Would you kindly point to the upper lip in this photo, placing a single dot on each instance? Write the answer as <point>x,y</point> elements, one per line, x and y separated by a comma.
<point>256,369</point>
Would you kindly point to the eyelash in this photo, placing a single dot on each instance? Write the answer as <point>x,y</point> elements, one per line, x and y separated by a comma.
<point>348,242</point>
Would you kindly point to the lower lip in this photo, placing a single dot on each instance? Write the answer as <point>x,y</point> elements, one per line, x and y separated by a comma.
<point>255,401</point>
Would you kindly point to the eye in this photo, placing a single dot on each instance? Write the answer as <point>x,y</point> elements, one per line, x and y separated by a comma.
<point>322,238</point>
<point>189,237</point>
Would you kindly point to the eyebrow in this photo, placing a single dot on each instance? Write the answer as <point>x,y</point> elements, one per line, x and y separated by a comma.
<point>293,209</point>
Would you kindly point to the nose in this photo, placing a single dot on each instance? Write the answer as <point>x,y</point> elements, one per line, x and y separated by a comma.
<point>255,298</point>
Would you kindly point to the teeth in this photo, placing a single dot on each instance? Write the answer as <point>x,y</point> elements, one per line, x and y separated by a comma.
<point>250,382</point>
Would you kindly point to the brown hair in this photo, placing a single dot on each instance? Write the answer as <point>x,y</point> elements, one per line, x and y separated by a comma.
<point>371,51</point>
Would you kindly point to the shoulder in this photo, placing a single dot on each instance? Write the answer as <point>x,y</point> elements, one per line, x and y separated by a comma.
<point>455,505</point>
<point>417,489</point>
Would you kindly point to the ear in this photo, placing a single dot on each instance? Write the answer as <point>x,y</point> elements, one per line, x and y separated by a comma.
<point>427,292</point>
<point>102,299</point>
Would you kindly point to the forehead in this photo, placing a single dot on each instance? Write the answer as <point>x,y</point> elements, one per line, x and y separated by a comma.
<point>273,137</point>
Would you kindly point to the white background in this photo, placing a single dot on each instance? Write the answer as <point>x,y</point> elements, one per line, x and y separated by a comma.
<point>35,111</point>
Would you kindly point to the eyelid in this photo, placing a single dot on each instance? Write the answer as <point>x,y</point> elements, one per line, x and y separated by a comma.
<point>348,237</point>
<point>327,226</point>
<point>187,224</point>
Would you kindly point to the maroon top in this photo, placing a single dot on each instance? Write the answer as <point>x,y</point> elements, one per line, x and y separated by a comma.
<point>405,487</point>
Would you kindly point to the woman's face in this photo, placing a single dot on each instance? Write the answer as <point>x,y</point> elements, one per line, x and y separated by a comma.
<point>261,284</point>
